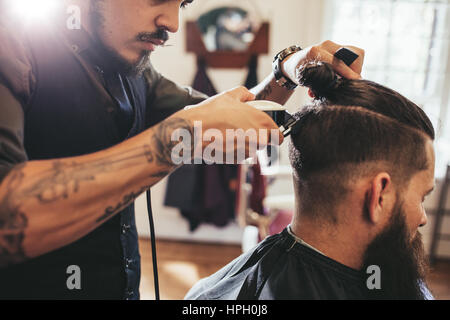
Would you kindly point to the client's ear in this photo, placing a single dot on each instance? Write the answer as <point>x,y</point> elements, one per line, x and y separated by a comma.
<point>377,202</point>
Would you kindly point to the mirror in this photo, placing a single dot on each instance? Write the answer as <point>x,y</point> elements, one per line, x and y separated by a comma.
<point>227,29</point>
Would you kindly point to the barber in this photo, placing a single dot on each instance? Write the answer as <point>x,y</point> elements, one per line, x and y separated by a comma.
<point>85,128</point>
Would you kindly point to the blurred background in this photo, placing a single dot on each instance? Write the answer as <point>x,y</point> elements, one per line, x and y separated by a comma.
<point>407,49</point>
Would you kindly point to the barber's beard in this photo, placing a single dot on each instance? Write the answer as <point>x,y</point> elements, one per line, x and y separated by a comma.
<point>124,67</point>
<point>112,57</point>
<point>402,262</point>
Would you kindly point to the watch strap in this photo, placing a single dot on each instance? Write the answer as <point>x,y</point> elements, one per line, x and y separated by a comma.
<point>280,78</point>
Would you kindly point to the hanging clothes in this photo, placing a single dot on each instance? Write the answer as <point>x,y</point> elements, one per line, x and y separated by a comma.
<point>202,82</point>
<point>203,193</point>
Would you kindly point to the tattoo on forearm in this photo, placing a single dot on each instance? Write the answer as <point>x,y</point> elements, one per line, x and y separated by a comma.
<point>58,183</point>
<point>13,222</point>
<point>67,178</point>
<point>162,139</point>
<point>124,203</point>
<point>266,92</point>
<point>162,151</point>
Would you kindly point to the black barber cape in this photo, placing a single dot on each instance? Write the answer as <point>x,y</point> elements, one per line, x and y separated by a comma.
<point>281,268</point>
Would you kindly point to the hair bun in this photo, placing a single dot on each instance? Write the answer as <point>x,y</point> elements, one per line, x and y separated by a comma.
<point>320,78</point>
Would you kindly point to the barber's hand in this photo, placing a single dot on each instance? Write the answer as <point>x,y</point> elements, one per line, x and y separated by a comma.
<point>228,110</point>
<point>325,52</point>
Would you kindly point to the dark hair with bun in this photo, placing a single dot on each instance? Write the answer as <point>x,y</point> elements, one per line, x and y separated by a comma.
<point>320,78</point>
<point>354,128</point>
<point>330,89</point>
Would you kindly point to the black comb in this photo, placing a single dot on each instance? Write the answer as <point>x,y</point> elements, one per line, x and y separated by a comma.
<point>346,55</point>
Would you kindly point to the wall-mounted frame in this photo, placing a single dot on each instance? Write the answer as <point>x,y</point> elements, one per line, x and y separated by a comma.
<point>226,59</point>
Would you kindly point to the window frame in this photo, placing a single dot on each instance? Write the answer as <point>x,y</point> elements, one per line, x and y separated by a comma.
<point>441,91</point>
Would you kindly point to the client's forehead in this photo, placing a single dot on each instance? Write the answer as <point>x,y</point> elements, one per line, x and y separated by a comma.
<point>424,179</point>
<point>429,147</point>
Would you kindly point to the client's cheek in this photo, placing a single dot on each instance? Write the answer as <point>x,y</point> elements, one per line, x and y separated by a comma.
<point>415,218</point>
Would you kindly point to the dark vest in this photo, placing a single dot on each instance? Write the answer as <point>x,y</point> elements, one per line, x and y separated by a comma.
<point>69,116</point>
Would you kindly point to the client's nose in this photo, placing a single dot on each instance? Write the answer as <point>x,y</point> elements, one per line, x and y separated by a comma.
<point>424,220</point>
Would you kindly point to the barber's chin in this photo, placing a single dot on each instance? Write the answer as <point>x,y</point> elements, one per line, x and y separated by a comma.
<point>133,64</point>
<point>148,46</point>
<point>141,64</point>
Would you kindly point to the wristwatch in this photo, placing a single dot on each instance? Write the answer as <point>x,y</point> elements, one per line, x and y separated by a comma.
<point>281,79</point>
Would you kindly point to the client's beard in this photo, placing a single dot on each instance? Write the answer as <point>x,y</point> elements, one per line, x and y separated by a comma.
<point>403,263</point>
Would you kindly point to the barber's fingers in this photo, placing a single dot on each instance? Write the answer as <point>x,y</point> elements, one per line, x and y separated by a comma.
<point>273,134</point>
<point>338,65</point>
<point>241,151</point>
<point>325,52</point>
<point>241,93</point>
<point>260,123</point>
<point>274,137</point>
<point>333,47</point>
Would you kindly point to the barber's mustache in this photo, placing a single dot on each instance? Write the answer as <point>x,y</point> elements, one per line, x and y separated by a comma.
<point>161,34</point>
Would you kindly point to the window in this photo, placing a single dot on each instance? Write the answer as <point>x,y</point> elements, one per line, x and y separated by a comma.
<point>407,49</point>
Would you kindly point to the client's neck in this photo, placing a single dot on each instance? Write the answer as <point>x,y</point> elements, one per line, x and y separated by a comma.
<point>337,241</point>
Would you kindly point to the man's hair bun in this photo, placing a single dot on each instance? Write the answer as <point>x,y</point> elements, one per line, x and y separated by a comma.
<point>320,78</point>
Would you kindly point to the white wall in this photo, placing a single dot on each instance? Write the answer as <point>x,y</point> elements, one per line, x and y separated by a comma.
<point>292,22</point>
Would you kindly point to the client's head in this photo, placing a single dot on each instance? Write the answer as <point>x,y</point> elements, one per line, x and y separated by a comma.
<point>363,163</point>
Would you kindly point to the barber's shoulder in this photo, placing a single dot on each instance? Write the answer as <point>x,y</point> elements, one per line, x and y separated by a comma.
<point>16,71</point>
<point>151,75</point>
<point>160,85</point>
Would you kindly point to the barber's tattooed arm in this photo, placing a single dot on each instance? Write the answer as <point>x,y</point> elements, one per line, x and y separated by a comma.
<point>45,205</point>
<point>13,222</point>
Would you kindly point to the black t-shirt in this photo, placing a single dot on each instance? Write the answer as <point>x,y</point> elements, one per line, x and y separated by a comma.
<point>281,268</point>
